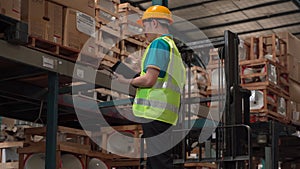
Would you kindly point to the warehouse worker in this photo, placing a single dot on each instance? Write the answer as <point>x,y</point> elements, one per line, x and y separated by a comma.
<point>159,85</point>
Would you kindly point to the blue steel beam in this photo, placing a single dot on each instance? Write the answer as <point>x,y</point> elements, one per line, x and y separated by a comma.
<point>160,2</point>
<point>52,113</point>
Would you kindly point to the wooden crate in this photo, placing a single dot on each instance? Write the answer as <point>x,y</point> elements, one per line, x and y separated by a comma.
<point>216,79</point>
<point>104,49</point>
<point>269,46</point>
<point>264,72</point>
<point>244,50</point>
<point>130,45</point>
<point>108,39</point>
<point>128,17</point>
<point>107,13</point>
<point>214,56</point>
<point>24,154</point>
<point>243,53</point>
<point>69,140</point>
<point>272,98</point>
<point>65,135</point>
<point>106,132</point>
<point>200,81</point>
<point>5,145</point>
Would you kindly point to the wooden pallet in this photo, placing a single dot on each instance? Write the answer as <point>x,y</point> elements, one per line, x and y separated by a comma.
<point>265,117</point>
<point>200,165</point>
<point>113,160</point>
<point>64,135</point>
<point>264,72</point>
<point>53,48</point>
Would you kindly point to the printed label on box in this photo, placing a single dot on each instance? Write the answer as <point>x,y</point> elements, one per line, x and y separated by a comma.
<point>86,24</point>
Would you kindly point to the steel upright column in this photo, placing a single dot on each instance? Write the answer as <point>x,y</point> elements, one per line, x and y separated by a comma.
<point>275,150</point>
<point>52,111</point>
<point>233,106</point>
<point>160,2</point>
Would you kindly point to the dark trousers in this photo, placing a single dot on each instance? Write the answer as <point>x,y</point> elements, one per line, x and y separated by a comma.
<point>156,158</point>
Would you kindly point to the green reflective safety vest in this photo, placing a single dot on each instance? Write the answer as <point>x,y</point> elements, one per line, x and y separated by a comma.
<point>162,101</point>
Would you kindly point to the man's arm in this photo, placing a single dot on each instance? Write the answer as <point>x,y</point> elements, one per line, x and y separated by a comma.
<point>147,80</point>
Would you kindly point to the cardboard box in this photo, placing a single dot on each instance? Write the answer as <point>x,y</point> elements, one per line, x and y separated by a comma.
<point>294,91</point>
<point>32,12</point>
<point>54,15</point>
<point>294,68</point>
<point>85,6</point>
<point>79,27</point>
<point>11,8</point>
<point>293,43</point>
<point>45,19</point>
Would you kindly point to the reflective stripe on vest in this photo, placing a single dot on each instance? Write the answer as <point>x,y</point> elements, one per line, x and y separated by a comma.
<point>169,85</point>
<point>156,104</point>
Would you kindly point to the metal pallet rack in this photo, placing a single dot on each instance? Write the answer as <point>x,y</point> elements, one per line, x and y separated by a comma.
<point>30,77</point>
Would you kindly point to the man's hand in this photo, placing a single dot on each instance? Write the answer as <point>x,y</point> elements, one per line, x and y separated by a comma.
<point>122,79</point>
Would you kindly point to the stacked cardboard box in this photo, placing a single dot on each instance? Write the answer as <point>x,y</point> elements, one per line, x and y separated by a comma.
<point>79,27</point>
<point>293,66</point>
<point>79,22</point>
<point>85,6</point>
<point>45,19</point>
<point>11,8</point>
<point>293,50</point>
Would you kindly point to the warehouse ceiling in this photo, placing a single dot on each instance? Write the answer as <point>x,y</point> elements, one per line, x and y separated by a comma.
<point>245,17</point>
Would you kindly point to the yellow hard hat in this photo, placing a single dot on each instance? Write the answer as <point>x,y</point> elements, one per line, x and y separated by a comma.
<point>156,12</point>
